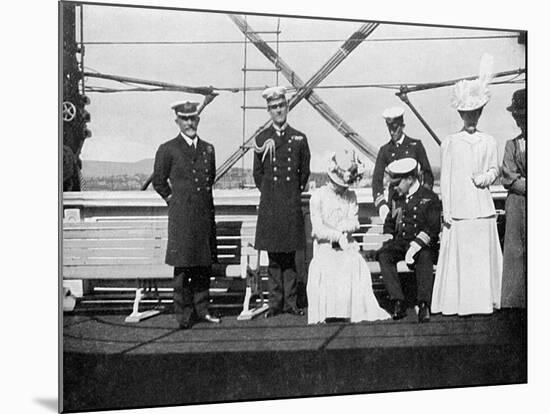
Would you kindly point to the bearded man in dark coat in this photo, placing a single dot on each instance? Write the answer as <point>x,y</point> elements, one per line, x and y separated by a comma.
<point>183,175</point>
<point>281,171</point>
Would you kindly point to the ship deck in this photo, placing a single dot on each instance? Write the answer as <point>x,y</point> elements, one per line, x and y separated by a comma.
<point>110,364</point>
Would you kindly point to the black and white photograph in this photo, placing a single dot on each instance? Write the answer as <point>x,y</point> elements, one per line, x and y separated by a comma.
<point>261,206</point>
<point>266,206</point>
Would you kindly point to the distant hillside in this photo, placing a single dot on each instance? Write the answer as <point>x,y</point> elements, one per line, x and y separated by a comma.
<point>112,168</point>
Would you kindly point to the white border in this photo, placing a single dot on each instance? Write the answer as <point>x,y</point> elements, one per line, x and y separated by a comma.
<point>29,206</point>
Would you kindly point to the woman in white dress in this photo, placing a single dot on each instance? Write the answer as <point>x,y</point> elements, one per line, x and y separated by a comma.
<point>469,269</point>
<point>339,281</point>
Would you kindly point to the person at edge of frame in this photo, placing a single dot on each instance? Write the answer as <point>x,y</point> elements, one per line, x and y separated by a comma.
<point>514,179</point>
<point>281,172</point>
<point>400,146</point>
<point>414,223</point>
<point>183,176</point>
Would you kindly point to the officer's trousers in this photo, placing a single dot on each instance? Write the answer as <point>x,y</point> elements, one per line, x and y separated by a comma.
<point>394,251</point>
<point>282,281</point>
<point>191,292</point>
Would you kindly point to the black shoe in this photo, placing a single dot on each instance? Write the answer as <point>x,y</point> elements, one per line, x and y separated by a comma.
<point>424,313</point>
<point>271,313</point>
<point>399,310</point>
<point>295,312</point>
<point>185,325</point>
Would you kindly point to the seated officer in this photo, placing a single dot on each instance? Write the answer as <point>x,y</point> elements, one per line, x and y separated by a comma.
<point>414,223</point>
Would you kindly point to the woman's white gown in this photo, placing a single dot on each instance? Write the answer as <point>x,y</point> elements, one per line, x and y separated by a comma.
<point>339,281</point>
<point>469,269</point>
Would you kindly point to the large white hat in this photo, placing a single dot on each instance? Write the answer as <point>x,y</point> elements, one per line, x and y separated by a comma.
<point>469,95</point>
<point>274,92</point>
<point>345,168</point>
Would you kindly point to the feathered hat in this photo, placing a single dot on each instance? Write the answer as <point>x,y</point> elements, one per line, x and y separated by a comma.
<point>469,95</point>
<point>345,168</point>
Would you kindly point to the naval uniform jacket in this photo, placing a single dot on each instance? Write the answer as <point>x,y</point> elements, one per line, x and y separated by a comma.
<point>187,174</point>
<point>417,218</point>
<point>281,176</point>
<point>389,152</point>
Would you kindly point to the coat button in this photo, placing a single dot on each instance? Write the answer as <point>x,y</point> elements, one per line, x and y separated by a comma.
<point>198,188</point>
<point>288,178</point>
<point>274,178</point>
<point>274,168</point>
<point>289,158</point>
<point>196,179</point>
<point>290,149</point>
<point>289,169</point>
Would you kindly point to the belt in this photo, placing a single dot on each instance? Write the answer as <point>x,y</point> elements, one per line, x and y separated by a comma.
<point>334,245</point>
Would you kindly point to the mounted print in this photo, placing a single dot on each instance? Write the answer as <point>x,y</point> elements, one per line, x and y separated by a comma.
<point>258,207</point>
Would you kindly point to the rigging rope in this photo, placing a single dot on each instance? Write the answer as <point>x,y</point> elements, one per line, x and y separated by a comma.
<point>230,42</point>
<point>394,86</point>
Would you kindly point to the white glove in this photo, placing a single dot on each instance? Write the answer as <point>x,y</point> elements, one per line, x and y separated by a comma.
<point>383,212</point>
<point>484,179</point>
<point>479,180</point>
<point>343,241</point>
<point>353,246</point>
<point>414,248</point>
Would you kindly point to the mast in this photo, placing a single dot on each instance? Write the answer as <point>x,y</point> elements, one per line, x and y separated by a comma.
<point>305,89</point>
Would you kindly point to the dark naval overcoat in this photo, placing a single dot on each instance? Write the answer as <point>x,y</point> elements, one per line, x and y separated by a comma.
<point>389,152</point>
<point>281,175</point>
<point>187,174</point>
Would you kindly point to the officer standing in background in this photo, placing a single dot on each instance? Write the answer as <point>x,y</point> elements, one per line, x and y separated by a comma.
<point>414,223</point>
<point>281,172</point>
<point>183,175</point>
<point>400,146</point>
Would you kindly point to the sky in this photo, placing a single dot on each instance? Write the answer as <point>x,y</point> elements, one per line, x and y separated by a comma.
<point>130,126</point>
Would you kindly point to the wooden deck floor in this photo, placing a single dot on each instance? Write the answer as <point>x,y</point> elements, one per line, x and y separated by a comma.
<point>111,364</point>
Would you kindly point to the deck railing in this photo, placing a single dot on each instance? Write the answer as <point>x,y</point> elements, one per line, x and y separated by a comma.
<point>231,205</point>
